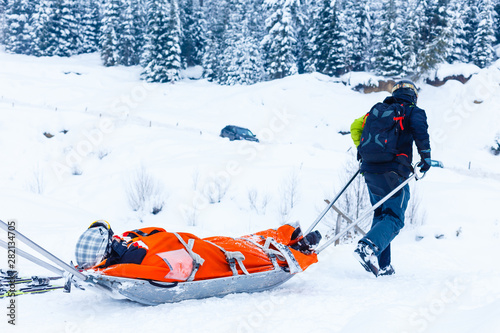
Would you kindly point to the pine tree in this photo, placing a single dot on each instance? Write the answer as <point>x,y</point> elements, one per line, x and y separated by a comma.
<point>3,9</point>
<point>139,19</point>
<point>390,54</point>
<point>110,24</point>
<point>328,40</point>
<point>359,36</point>
<point>162,61</point>
<point>241,60</point>
<point>42,33</point>
<point>438,38</point>
<point>69,33</point>
<point>471,22</point>
<point>280,42</point>
<point>56,28</point>
<point>194,33</point>
<point>458,52</point>
<point>300,14</point>
<point>18,26</point>
<point>217,15</point>
<point>90,27</point>
<point>131,32</point>
<point>336,63</point>
<point>496,23</point>
<point>482,52</point>
<point>412,39</point>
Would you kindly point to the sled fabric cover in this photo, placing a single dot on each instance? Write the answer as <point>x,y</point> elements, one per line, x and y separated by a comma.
<point>167,259</point>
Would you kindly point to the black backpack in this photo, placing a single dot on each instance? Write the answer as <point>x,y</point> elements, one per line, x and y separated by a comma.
<point>379,140</point>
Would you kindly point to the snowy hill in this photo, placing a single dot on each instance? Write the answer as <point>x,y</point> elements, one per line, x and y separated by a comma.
<point>103,126</point>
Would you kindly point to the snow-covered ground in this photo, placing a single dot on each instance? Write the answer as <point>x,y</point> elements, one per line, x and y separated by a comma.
<point>108,125</point>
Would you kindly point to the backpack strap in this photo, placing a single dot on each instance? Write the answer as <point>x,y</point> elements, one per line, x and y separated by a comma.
<point>140,233</point>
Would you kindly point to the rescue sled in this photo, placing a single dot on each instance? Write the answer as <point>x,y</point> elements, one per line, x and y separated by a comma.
<point>153,292</point>
<point>150,292</point>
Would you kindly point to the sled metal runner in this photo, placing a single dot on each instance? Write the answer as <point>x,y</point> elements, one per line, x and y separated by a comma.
<point>154,293</point>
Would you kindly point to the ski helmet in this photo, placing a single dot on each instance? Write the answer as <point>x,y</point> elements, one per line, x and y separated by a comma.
<point>405,87</point>
<point>94,244</point>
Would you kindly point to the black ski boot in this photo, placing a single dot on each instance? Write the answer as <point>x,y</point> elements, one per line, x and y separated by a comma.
<point>387,270</point>
<point>367,258</point>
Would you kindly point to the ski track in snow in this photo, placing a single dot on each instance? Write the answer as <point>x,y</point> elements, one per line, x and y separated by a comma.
<point>441,285</point>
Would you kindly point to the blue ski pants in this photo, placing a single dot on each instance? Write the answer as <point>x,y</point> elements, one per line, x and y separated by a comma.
<point>389,218</point>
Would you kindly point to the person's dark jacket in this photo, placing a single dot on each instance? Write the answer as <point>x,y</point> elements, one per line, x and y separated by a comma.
<point>415,129</point>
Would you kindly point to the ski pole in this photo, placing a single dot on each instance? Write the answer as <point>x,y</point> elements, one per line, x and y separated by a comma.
<point>68,268</point>
<point>315,223</point>
<point>366,213</point>
<point>33,259</point>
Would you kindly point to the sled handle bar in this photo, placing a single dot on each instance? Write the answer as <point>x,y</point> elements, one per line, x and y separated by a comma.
<point>323,213</point>
<point>33,259</point>
<point>370,210</point>
<point>66,267</point>
<point>416,174</point>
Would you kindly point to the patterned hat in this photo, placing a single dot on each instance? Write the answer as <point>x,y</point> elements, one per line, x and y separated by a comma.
<point>92,246</point>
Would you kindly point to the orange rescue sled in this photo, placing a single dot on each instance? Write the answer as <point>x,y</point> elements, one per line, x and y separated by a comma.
<point>180,266</point>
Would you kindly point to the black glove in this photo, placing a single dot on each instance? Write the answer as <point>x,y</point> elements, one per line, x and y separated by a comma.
<point>307,243</point>
<point>425,162</point>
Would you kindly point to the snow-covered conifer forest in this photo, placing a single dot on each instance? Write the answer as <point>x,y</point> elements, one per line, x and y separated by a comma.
<point>248,41</point>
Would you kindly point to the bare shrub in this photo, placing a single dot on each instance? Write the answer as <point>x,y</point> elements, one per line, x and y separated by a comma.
<point>145,193</point>
<point>495,148</point>
<point>414,216</point>
<point>216,189</point>
<point>76,170</point>
<point>290,188</point>
<point>356,198</point>
<point>353,202</point>
<point>191,216</point>
<point>37,182</point>
<point>289,195</point>
<point>257,202</point>
<point>102,153</point>
<point>196,178</point>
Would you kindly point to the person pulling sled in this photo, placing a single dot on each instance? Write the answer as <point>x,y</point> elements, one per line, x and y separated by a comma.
<point>384,138</point>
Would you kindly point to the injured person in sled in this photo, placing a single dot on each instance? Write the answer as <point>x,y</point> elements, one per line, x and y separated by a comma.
<point>155,254</point>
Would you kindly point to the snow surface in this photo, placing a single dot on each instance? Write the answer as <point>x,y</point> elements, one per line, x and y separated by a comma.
<point>116,124</point>
<point>447,70</point>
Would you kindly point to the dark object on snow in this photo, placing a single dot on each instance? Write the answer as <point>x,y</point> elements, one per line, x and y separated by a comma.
<point>496,150</point>
<point>439,82</point>
<point>48,135</point>
<point>238,133</point>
